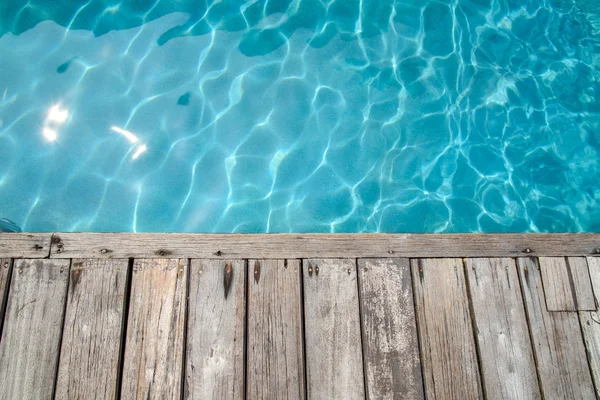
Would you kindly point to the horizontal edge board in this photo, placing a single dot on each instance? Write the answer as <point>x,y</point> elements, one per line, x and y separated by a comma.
<point>25,245</point>
<point>264,246</point>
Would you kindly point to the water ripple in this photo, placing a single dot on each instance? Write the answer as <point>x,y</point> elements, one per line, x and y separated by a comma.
<point>301,115</point>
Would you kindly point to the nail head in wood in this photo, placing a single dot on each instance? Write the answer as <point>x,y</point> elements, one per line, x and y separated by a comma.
<point>103,251</point>
<point>310,270</point>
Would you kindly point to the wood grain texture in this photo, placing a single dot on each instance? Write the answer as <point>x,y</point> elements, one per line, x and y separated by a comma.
<point>5,268</point>
<point>217,246</point>
<point>24,245</point>
<point>390,341</point>
<point>590,326</point>
<point>32,330</point>
<point>275,351</point>
<point>215,347</point>
<point>448,352</point>
<point>89,357</point>
<point>334,364</point>
<point>567,284</point>
<point>507,364</point>
<point>557,341</point>
<point>153,363</point>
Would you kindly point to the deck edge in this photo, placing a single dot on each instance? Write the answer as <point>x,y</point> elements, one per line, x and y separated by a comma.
<point>265,246</point>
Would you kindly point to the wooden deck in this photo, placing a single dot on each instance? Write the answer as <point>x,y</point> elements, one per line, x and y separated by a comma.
<point>105,316</point>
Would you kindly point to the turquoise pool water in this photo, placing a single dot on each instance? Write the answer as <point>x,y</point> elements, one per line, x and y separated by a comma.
<point>300,115</point>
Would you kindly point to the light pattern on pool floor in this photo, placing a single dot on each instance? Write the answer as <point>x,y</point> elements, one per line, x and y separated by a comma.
<point>296,116</point>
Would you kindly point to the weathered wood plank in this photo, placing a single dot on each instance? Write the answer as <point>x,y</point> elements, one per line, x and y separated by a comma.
<point>390,341</point>
<point>334,364</point>
<point>153,362</point>
<point>557,341</point>
<point>567,284</point>
<point>32,329</point>
<point>506,356</point>
<point>24,245</point>
<point>275,351</point>
<point>89,357</point>
<point>590,324</point>
<point>216,246</point>
<point>448,352</point>
<point>5,269</point>
<point>215,347</point>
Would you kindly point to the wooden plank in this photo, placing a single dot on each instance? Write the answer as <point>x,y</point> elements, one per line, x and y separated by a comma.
<point>215,347</point>
<point>590,325</point>
<point>567,284</point>
<point>153,362</point>
<point>4,278</point>
<point>594,269</point>
<point>275,351</point>
<point>390,341</point>
<point>24,245</point>
<point>4,270</point>
<point>334,365</point>
<point>32,329</point>
<point>557,341</point>
<point>232,246</point>
<point>506,356</point>
<point>448,353</point>
<point>89,357</point>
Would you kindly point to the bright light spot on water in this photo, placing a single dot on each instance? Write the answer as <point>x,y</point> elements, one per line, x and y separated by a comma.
<point>50,134</point>
<point>141,149</point>
<point>58,115</point>
<point>128,135</point>
<point>133,139</point>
